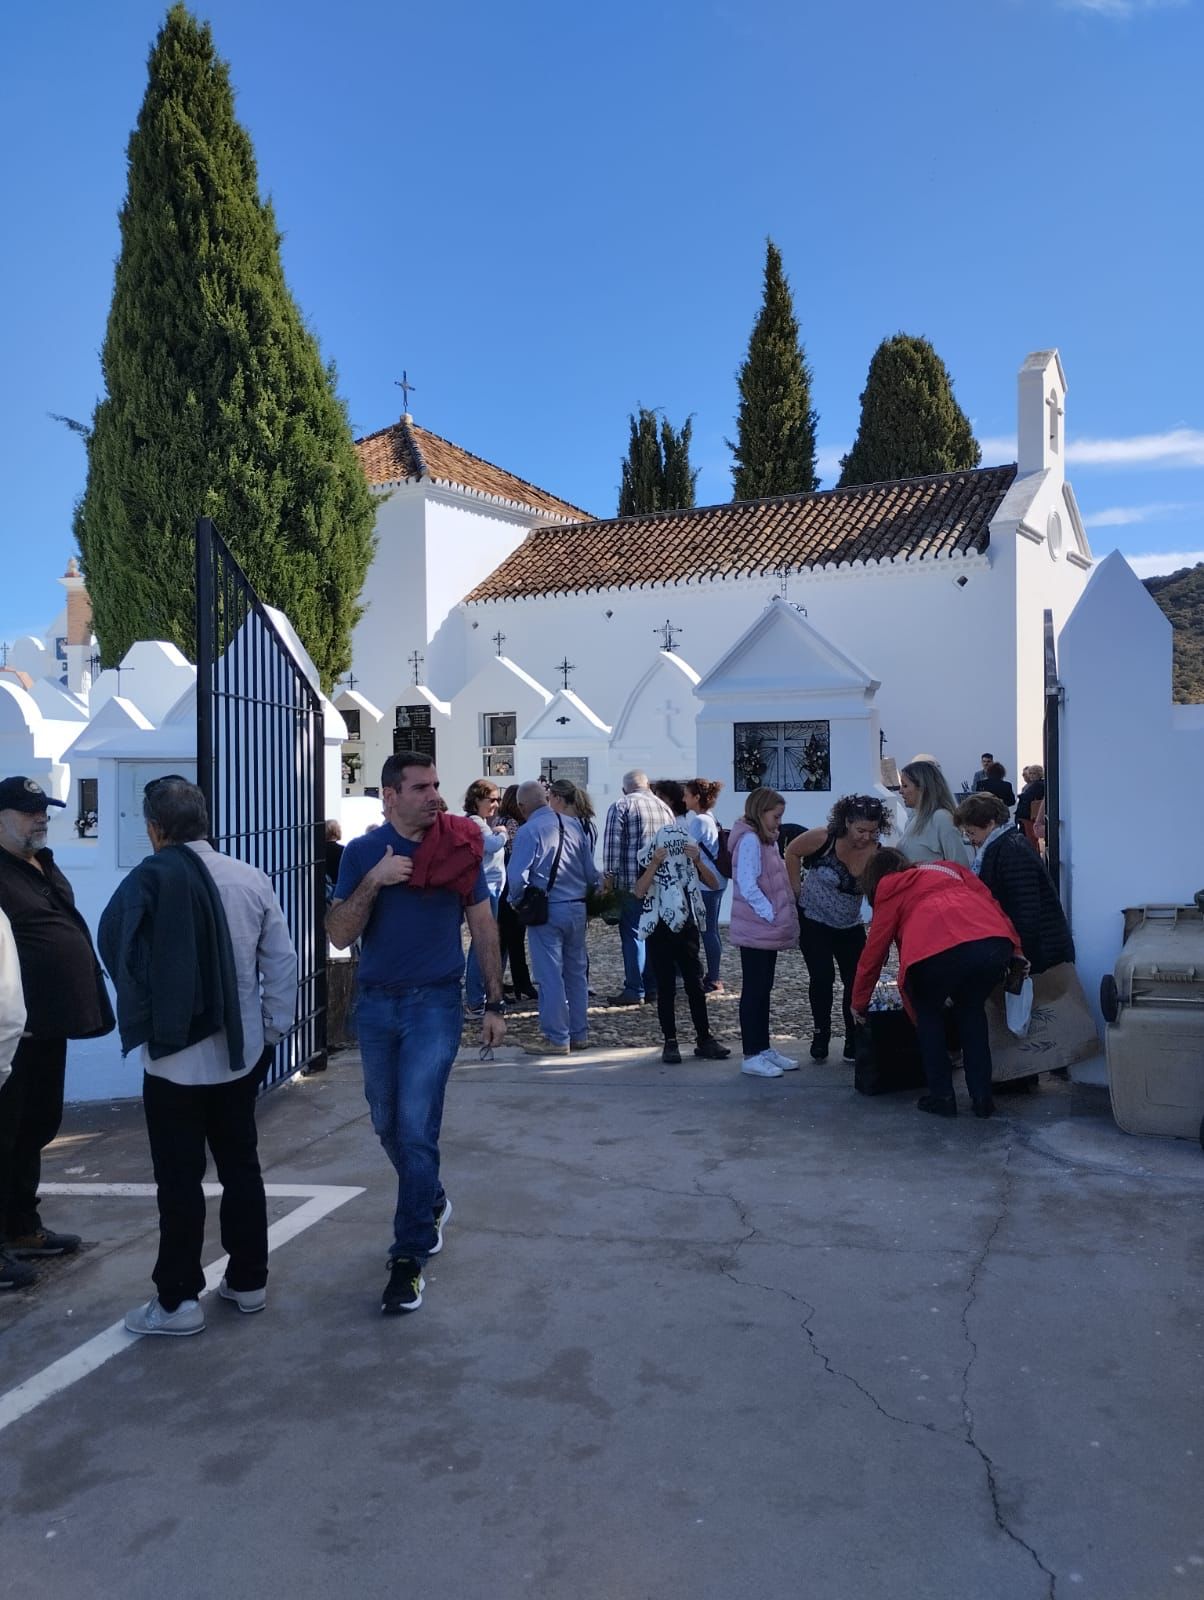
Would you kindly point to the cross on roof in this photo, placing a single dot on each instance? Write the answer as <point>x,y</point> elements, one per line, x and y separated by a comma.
<point>349,682</point>
<point>4,653</point>
<point>119,669</point>
<point>564,668</point>
<point>416,661</point>
<point>499,639</point>
<point>782,574</point>
<point>666,630</point>
<point>403,383</point>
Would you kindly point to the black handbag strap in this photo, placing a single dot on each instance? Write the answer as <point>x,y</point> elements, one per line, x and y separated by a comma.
<point>556,861</point>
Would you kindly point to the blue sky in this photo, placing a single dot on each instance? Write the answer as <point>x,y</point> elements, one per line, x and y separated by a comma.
<point>551,214</point>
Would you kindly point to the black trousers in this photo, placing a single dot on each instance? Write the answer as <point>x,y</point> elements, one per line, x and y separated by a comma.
<point>757,968</point>
<point>181,1119</point>
<point>31,1113</point>
<point>513,936</point>
<point>824,950</point>
<point>966,974</point>
<point>671,953</point>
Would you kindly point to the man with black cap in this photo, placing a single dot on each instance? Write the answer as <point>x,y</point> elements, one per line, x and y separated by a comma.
<point>65,998</point>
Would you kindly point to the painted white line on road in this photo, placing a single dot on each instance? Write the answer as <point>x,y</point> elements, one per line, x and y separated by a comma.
<point>320,1200</point>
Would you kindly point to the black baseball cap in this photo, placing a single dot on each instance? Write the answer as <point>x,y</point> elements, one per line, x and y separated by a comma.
<point>23,794</point>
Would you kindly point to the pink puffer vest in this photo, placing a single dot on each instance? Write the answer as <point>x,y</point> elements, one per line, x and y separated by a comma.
<point>748,930</point>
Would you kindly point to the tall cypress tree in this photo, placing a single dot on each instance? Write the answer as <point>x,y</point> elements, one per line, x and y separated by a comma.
<point>656,472</point>
<point>775,427</point>
<point>217,399</point>
<point>911,425</point>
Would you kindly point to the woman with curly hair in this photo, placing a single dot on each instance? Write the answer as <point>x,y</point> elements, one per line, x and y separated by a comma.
<point>831,932</point>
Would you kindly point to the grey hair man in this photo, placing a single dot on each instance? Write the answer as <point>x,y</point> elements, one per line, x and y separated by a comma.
<point>64,997</point>
<point>631,824</point>
<point>206,979</point>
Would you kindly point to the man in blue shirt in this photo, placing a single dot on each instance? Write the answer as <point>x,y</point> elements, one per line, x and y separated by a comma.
<point>409,1014</point>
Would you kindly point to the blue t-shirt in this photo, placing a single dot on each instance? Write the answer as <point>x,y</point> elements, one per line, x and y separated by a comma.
<point>413,935</point>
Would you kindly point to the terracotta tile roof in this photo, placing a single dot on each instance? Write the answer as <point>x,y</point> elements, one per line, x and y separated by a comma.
<point>913,518</point>
<point>407,451</point>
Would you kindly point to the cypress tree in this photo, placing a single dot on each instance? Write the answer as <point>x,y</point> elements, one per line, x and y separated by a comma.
<point>775,427</point>
<point>656,472</point>
<point>217,402</point>
<point>680,477</point>
<point>911,425</point>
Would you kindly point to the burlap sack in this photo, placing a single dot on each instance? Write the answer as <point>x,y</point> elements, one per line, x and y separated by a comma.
<point>1062,1030</point>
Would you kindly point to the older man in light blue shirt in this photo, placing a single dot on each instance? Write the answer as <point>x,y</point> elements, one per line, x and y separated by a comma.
<point>551,851</point>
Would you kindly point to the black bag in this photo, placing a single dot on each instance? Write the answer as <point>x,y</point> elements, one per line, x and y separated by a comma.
<point>532,909</point>
<point>888,1054</point>
<point>721,858</point>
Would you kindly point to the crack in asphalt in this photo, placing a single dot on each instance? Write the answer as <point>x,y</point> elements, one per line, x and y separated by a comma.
<point>968,1417</point>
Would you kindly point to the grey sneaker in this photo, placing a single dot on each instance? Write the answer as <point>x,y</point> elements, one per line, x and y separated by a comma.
<point>442,1218</point>
<point>248,1300</point>
<point>15,1274</point>
<point>151,1318</point>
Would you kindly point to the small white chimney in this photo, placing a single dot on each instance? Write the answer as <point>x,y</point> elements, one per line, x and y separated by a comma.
<point>1040,428</point>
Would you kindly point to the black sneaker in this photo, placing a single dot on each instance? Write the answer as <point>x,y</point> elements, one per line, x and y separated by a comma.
<point>42,1242</point>
<point>403,1292</point>
<point>14,1274</point>
<point>624,999</point>
<point>711,1050</point>
<point>937,1105</point>
<point>442,1218</point>
<point>849,1053</point>
<point>671,1054</point>
<point>819,1047</point>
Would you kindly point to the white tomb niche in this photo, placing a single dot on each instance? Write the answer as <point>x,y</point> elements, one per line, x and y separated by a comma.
<point>498,702</point>
<point>361,719</point>
<point>786,709</point>
<point>656,730</point>
<point>566,740</point>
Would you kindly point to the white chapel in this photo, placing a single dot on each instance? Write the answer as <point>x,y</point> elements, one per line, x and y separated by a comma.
<point>512,633</point>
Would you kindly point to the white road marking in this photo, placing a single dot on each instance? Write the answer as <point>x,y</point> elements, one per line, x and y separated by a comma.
<point>320,1200</point>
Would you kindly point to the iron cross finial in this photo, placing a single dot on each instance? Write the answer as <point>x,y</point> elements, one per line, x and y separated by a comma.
<point>350,681</point>
<point>564,668</point>
<point>416,661</point>
<point>666,630</point>
<point>499,639</point>
<point>403,383</point>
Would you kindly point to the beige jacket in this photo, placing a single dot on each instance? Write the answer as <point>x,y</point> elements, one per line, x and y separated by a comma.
<point>12,1001</point>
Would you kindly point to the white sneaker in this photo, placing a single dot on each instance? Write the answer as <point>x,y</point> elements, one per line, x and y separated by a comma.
<point>761,1066</point>
<point>248,1300</point>
<point>787,1063</point>
<point>151,1318</point>
<point>442,1218</point>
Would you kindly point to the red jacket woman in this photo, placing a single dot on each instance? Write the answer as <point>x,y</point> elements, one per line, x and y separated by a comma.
<point>955,943</point>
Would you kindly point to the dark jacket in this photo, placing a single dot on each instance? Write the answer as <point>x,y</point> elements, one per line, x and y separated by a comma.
<point>1000,788</point>
<point>65,994</point>
<point>166,944</point>
<point>1030,797</point>
<point>1016,876</point>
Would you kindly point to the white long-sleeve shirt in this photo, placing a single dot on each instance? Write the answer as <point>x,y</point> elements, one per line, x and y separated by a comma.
<point>748,870</point>
<point>12,1000</point>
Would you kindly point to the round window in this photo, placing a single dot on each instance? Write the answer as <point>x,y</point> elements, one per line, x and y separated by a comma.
<point>1053,535</point>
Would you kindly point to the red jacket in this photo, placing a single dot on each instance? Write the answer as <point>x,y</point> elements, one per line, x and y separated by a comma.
<point>449,855</point>
<point>925,910</point>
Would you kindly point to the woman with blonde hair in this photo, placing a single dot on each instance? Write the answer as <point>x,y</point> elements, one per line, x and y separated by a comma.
<point>931,834</point>
<point>569,799</point>
<point>764,921</point>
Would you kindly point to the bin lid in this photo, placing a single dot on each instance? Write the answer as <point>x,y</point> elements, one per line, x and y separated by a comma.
<point>1163,956</point>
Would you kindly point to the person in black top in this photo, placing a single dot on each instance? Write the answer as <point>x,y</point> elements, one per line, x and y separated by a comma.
<point>995,782</point>
<point>334,851</point>
<point>65,998</point>
<point>984,771</point>
<point>1018,880</point>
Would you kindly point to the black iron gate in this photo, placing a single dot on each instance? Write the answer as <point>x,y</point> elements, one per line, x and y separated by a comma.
<point>1053,757</point>
<point>261,767</point>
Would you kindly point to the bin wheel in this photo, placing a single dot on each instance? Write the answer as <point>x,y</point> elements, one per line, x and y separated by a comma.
<point>1109,998</point>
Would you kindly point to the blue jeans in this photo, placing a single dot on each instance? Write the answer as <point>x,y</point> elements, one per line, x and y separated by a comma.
<point>558,965</point>
<point>712,943</point>
<point>638,977</point>
<point>408,1042</point>
<point>474,984</point>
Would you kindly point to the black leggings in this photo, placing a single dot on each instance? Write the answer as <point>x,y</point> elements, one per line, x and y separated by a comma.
<point>966,974</point>
<point>756,985</point>
<point>824,950</point>
<point>671,953</point>
<point>513,936</point>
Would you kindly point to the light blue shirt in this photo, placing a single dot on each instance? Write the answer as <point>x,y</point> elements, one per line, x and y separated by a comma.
<point>534,851</point>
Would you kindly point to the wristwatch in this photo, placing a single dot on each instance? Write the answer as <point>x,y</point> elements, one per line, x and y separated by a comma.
<point>496,1007</point>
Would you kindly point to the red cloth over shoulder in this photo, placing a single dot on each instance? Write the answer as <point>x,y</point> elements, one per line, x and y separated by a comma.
<point>449,856</point>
